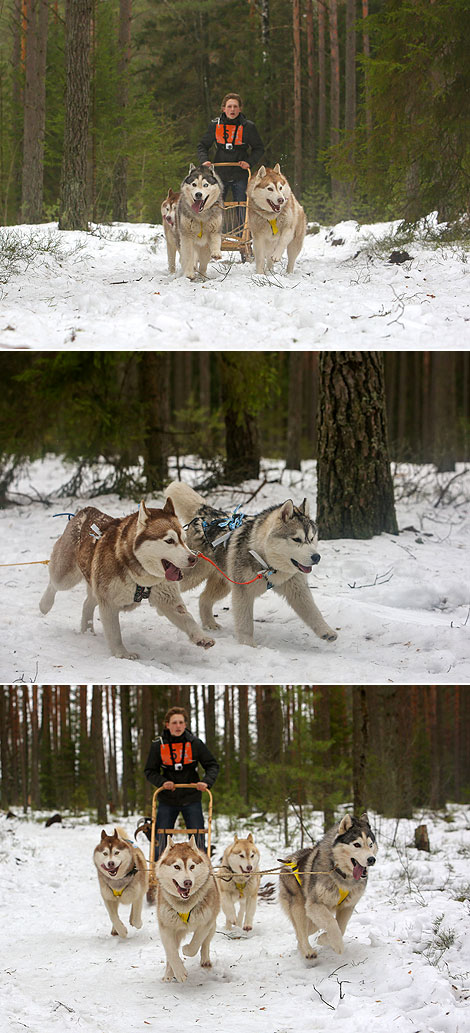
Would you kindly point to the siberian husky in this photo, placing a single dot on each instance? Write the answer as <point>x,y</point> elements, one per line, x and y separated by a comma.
<point>199,214</point>
<point>187,903</point>
<point>276,219</point>
<point>124,560</point>
<point>239,882</point>
<point>123,878</point>
<point>322,884</point>
<point>168,210</point>
<point>281,542</point>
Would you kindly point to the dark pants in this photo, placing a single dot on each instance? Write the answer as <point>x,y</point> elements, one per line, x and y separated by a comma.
<point>166,817</point>
<point>238,188</point>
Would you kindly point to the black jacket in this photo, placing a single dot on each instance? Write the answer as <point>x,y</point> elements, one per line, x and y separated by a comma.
<point>251,148</point>
<point>165,752</point>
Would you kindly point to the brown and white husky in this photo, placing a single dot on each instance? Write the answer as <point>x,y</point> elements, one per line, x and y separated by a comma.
<point>239,882</point>
<point>122,876</point>
<point>188,903</point>
<point>124,560</point>
<point>276,219</point>
<point>168,210</point>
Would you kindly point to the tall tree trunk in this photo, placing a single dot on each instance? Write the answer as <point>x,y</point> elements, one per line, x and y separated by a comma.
<point>154,379</point>
<point>366,52</point>
<point>98,754</point>
<point>120,168</point>
<point>243,742</point>
<point>350,89</point>
<point>294,406</point>
<point>209,717</point>
<point>34,111</point>
<point>297,99</point>
<point>445,410</point>
<point>334,88</point>
<point>360,745</point>
<point>321,75</point>
<point>73,192</point>
<point>355,488</point>
<point>128,777</point>
<point>311,91</point>
<point>241,431</point>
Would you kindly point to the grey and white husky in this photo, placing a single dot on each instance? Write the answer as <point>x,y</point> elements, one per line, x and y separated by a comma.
<point>321,885</point>
<point>199,215</point>
<point>281,542</point>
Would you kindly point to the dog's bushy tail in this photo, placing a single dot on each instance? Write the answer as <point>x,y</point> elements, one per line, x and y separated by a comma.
<point>185,500</point>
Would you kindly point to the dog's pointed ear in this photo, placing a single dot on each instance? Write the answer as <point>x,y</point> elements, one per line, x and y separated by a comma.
<point>169,507</point>
<point>169,843</point>
<point>235,838</point>
<point>277,169</point>
<point>287,510</point>
<point>261,172</point>
<point>143,514</point>
<point>192,842</point>
<point>305,508</point>
<point>191,168</point>
<point>345,824</point>
<point>364,818</point>
<point>249,837</point>
<point>104,834</point>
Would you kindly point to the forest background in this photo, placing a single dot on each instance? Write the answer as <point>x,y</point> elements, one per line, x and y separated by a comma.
<point>388,748</point>
<point>134,410</point>
<point>364,104</point>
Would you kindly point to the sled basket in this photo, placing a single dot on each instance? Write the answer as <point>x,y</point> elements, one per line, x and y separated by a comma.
<point>236,235</point>
<point>176,832</point>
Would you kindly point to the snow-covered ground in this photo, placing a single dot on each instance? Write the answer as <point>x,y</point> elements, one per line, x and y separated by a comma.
<point>405,967</point>
<point>111,289</point>
<point>400,603</point>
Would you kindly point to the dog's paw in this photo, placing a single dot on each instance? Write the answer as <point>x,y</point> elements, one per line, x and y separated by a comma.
<point>205,642</point>
<point>119,930</point>
<point>310,955</point>
<point>247,928</point>
<point>137,925</point>
<point>125,655</point>
<point>210,625</point>
<point>329,636</point>
<point>206,964</point>
<point>216,255</point>
<point>189,951</point>
<point>181,975</point>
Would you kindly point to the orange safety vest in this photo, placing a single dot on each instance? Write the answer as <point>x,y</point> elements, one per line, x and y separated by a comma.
<point>178,758</point>
<point>225,134</point>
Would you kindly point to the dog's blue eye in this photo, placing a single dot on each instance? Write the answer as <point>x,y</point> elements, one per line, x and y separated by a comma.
<point>297,540</point>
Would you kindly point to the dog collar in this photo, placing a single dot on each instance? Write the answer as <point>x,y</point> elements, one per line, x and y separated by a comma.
<point>184,915</point>
<point>200,231</point>
<point>240,887</point>
<point>342,896</point>
<point>273,225</point>
<point>133,871</point>
<point>141,593</point>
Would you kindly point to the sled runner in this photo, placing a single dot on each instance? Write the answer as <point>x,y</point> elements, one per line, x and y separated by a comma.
<point>236,235</point>
<point>176,832</point>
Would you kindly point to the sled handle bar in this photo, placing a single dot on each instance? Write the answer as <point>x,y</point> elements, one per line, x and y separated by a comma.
<point>179,785</point>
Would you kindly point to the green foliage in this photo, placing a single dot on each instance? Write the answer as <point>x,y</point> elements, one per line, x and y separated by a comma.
<point>417,159</point>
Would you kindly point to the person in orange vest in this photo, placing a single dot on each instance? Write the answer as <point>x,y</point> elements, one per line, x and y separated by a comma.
<point>236,140</point>
<point>174,757</point>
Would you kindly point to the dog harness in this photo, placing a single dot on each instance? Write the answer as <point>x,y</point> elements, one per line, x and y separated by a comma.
<point>240,887</point>
<point>133,871</point>
<point>184,915</point>
<point>295,871</point>
<point>141,593</point>
<point>273,225</point>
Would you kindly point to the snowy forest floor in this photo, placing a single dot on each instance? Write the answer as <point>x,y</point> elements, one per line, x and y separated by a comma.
<point>405,967</point>
<point>111,289</point>
<point>400,604</point>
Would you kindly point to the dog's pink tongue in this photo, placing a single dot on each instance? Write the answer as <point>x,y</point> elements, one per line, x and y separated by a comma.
<point>305,570</point>
<point>196,206</point>
<point>172,573</point>
<point>358,870</point>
